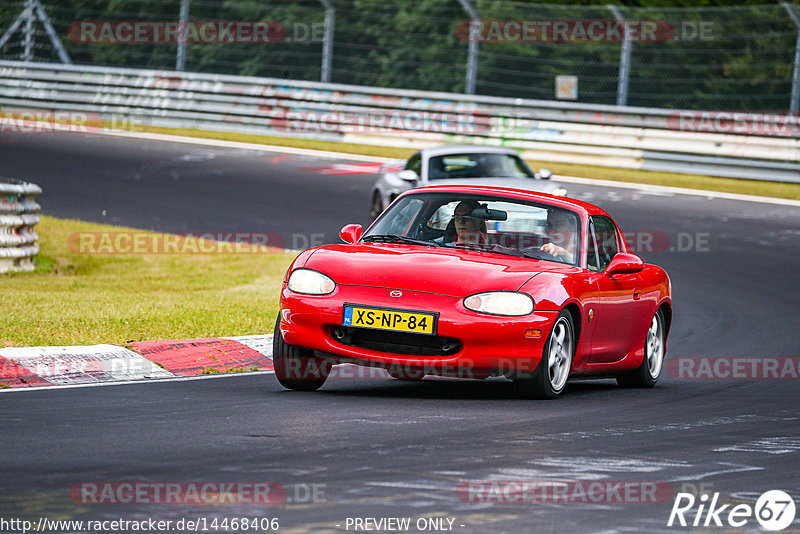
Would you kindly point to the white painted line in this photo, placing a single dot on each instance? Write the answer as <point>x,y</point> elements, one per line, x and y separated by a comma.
<point>171,378</point>
<point>676,190</point>
<point>245,146</point>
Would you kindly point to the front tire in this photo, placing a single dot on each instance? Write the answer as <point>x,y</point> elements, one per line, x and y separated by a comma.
<point>550,376</point>
<point>297,368</point>
<point>646,375</point>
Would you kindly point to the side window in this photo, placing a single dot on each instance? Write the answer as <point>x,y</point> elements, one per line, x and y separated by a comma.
<point>591,251</point>
<point>414,163</point>
<point>603,244</point>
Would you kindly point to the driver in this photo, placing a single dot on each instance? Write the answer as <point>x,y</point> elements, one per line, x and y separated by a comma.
<point>561,231</point>
<point>469,230</point>
<point>494,167</point>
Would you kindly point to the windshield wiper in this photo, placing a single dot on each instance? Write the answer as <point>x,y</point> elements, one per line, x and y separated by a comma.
<point>490,248</point>
<point>537,255</point>
<point>394,238</point>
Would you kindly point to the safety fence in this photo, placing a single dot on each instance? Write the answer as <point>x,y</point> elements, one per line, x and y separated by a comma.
<point>36,97</point>
<point>18,216</point>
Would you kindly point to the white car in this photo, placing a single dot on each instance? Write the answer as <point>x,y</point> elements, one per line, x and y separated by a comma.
<point>459,165</point>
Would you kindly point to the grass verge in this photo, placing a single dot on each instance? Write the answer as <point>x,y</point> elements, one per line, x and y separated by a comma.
<point>73,298</point>
<point>673,179</point>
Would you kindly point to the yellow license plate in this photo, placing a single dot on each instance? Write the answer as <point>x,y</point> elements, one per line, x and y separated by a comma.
<point>389,319</point>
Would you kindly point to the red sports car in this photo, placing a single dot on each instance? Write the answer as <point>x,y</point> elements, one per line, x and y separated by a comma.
<point>474,282</point>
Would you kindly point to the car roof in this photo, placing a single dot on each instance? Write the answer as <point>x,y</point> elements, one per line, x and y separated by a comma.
<point>579,206</point>
<point>466,149</point>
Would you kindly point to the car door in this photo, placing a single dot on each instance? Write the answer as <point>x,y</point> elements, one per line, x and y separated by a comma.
<point>618,308</point>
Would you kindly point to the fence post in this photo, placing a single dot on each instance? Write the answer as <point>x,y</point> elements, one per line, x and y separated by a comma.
<point>472,53</point>
<point>795,98</point>
<point>28,39</point>
<point>180,61</point>
<point>624,60</point>
<point>45,20</point>
<point>327,41</point>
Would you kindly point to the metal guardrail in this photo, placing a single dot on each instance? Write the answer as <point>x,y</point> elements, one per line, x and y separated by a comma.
<point>614,136</point>
<point>18,210</point>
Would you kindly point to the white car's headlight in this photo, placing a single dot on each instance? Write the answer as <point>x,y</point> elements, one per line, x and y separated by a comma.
<point>310,282</point>
<point>500,303</point>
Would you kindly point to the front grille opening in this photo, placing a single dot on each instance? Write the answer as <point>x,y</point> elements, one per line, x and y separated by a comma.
<point>396,342</point>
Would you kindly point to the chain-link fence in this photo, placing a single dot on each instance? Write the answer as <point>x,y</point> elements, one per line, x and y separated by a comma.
<point>731,58</point>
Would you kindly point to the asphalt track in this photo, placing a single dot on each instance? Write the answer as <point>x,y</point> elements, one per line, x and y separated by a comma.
<point>393,449</point>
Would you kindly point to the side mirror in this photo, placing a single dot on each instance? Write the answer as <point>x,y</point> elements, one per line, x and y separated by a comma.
<point>351,233</point>
<point>407,175</point>
<point>545,174</point>
<point>624,263</point>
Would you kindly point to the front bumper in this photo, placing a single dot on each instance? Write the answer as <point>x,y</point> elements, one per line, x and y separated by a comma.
<point>486,344</point>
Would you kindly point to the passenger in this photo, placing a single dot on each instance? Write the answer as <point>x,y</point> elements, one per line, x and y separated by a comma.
<point>436,169</point>
<point>562,233</point>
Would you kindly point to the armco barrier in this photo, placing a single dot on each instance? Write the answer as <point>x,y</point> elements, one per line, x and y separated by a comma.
<point>18,210</point>
<point>614,136</point>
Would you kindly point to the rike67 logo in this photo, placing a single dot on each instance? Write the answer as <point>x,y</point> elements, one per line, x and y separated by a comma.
<point>774,510</point>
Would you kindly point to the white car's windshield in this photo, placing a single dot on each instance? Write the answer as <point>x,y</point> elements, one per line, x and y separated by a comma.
<point>491,224</point>
<point>477,166</point>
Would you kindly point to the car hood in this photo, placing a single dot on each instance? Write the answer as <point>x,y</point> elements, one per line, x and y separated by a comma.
<point>452,272</point>
<point>528,184</point>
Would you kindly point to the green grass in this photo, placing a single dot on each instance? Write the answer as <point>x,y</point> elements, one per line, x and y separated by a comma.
<point>74,298</point>
<point>691,181</point>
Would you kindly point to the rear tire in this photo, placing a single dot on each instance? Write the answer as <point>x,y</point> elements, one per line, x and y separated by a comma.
<point>646,375</point>
<point>297,368</point>
<point>550,377</point>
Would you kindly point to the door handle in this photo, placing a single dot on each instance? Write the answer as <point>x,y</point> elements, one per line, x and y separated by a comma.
<point>636,294</point>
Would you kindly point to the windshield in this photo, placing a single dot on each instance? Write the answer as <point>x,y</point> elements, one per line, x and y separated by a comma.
<point>477,166</point>
<point>486,223</point>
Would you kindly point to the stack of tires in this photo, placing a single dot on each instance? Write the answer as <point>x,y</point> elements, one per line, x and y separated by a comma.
<point>18,216</point>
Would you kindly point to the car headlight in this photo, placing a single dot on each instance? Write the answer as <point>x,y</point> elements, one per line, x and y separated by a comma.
<point>559,192</point>
<point>500,303</point>
<point>310,282</point>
